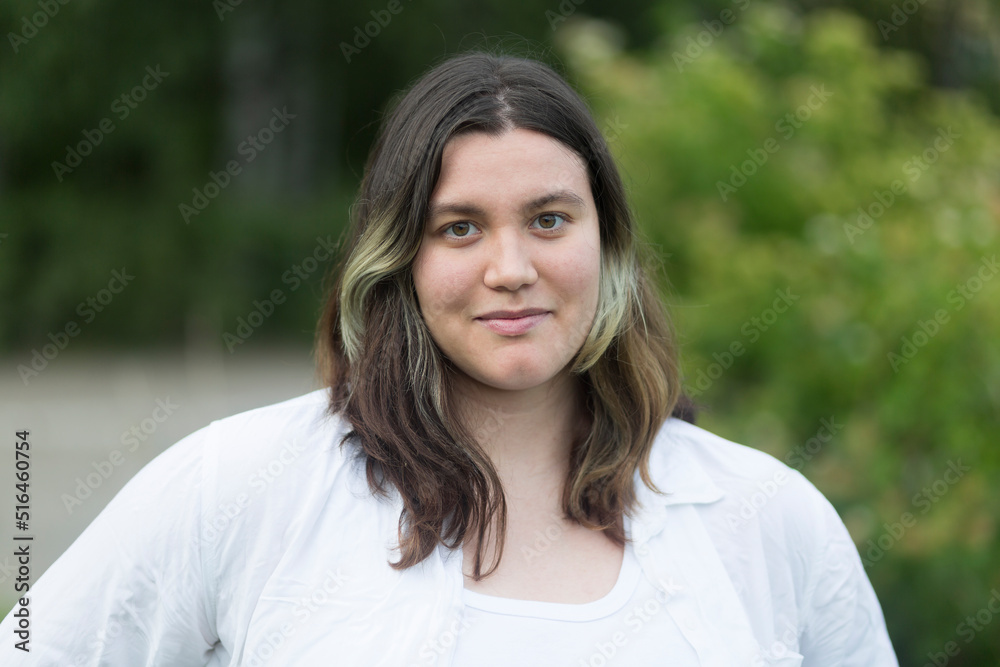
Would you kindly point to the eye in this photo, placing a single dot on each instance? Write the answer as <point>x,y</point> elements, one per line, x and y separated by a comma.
<point>550,221</point>
<point>462,229</point>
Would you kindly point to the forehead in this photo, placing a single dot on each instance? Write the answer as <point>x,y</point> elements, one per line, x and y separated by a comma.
<point>517,163</point>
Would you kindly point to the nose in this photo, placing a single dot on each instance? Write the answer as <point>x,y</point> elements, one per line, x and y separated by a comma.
<point>509,264</point>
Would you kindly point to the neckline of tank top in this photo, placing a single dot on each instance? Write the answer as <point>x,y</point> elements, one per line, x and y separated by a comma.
<point>614,600</point>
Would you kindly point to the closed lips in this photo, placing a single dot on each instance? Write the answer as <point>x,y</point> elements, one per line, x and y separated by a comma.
<point>511,314</point>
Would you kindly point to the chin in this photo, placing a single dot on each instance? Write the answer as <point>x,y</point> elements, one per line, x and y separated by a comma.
<point>518,385</point>
<point>517,380</point>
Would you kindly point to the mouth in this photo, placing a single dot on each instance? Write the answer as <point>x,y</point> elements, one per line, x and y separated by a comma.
<point>511,314</point>
<point>513,323</point>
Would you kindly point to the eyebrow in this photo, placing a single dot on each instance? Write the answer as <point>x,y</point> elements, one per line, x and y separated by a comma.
<point>566,197</point>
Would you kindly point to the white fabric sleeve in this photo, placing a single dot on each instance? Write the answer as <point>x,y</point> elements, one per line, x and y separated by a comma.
<point>131,590</point>
<point>843,625</point>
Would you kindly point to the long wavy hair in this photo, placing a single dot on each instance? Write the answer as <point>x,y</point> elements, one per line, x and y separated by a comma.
<point>392,383</point>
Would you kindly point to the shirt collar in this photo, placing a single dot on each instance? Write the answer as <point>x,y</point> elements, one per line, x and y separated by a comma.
<point>677,473</point>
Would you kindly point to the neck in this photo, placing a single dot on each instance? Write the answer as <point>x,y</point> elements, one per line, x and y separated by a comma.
<point>527,434</point>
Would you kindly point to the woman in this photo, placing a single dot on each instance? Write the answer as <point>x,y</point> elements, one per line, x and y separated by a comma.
<point>491,476</point>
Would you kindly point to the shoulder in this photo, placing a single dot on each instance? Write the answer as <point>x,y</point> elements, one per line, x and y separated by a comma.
<point>295,434</point>
<point>786,550</point>
<point>240,470</point>
<point>276,458</point>
<point>225,454</point>
<point>763,517</point>
<point>296,418</point>
<point>724,460</point>
<point>745,484</point>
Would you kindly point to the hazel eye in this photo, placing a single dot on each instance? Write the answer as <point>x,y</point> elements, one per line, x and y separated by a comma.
<point>550,221</point>
<point>461,229</point>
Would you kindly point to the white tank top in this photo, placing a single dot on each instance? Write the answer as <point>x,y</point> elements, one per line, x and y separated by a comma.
<point>628,626</point>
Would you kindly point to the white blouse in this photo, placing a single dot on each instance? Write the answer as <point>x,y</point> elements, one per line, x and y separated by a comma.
<point>255,541</point>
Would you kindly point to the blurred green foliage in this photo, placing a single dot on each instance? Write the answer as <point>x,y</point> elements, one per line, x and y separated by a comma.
<point>228,64</point>
<point>749,140</point>
<point>782,373</point>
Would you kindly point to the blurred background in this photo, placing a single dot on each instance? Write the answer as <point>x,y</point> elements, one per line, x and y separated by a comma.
<point>821,181</point>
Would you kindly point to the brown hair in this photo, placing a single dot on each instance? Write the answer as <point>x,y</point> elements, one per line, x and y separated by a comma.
<point>391,382</point>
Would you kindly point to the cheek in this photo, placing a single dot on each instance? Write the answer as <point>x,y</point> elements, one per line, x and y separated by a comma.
<point>579,275</point>
<point>441,285</point>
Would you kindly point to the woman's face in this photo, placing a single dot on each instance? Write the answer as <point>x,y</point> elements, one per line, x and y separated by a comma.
<point>508,269</point>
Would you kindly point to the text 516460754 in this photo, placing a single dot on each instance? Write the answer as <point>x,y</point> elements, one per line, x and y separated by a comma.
<point>22,542</point>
